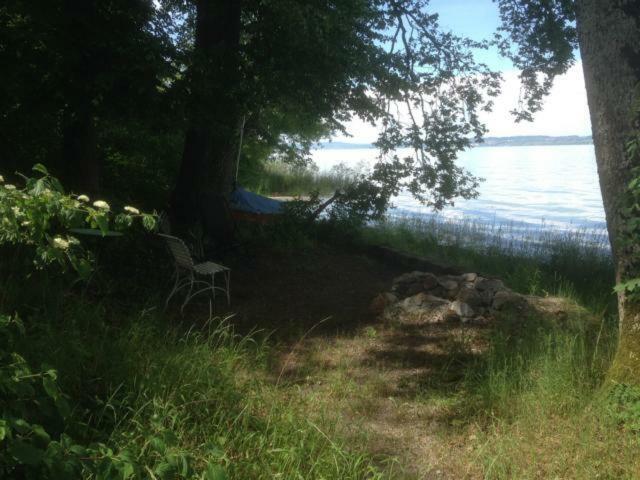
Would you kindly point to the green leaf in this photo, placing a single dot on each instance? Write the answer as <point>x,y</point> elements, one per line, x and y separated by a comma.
<point>215,472</point>
<point>38,167</point>
<point>102,221</point>
<point>41,434</point>
<point>157,444</point>
<point>3,429</point>
<point>50,387</point>
<point>164,470</point>
<point>25,454</point>
<point>78,450</point>
<point>149,222</point>
<point>628,286</point>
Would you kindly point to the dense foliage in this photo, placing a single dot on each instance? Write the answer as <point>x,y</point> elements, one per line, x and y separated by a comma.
<point>121,87</point>
<point>41,217</point>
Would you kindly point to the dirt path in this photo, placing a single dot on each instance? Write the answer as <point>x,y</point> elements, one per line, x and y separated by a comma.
<point>395,388</point>
<point>392,387</point>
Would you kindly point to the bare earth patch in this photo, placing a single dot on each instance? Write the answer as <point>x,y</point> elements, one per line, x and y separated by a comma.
<point>392,384</point>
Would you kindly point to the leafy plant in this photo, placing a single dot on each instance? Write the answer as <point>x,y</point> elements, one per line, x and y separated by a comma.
<point>41,216</point>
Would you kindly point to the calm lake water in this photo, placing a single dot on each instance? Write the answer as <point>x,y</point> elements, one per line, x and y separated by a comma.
<point>540,187</point>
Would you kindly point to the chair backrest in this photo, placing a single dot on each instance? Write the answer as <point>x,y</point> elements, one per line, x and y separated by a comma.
<point>179,250</point>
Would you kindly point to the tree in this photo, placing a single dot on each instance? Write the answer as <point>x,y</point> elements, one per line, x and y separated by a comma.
<point>297,70</point>
<point>74,69</point>
<point>608,35</point>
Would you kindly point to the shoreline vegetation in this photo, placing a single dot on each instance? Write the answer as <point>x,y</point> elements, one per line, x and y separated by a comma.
<point>309,384</point>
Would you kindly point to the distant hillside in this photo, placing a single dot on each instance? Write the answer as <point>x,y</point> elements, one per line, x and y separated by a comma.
<point>343,145</point>
<point>534,140</point>
<point>520,141</point>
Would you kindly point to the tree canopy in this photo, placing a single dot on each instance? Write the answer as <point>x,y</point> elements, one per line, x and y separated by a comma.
<point>113,90</point>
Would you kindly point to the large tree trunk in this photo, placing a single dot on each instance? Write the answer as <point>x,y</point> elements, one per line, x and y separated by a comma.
<point>80,161</point>
<point>214,114</point>
<point>609,37</point>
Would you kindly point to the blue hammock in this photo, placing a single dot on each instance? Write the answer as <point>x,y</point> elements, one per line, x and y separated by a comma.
<point>250,202</point>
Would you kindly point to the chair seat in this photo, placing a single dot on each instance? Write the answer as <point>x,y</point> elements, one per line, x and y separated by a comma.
<point>209,268</point>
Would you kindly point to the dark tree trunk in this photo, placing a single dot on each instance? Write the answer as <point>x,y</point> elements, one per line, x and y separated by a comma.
<point>211,139</point>
<point>80,165</point>
<point>609,38</point>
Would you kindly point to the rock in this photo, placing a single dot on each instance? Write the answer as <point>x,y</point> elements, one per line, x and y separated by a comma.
<point>409,284</point>
<point>412,289</point>
<point>469,277</point>
<point>439,292</point>
<point>450,285</point>
<point>471,297</point>
<point>414,300</point>
<point>425,300</point>
<point>490,284</point>
<point>487,297</point>
<point>435,301</point>
<point>506,298</point>
<point>430,281</point>
<point>461,309</point>
<point>382,301</point>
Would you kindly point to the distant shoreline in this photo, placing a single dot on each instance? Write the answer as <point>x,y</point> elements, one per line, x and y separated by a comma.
<point>516,141</point>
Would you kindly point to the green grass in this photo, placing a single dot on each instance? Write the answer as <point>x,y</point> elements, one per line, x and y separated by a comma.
<point>177,398</point>
<point>534,402</point>
<point>531,406</point>
<point>573,264</point>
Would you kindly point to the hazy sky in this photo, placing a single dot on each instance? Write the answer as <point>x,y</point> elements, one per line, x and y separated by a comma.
<point>565,111</point>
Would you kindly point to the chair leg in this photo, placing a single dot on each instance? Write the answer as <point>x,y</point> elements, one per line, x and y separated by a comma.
<point>173,290</point>
<point>188,297</point>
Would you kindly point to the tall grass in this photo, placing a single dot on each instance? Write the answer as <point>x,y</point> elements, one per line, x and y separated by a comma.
<point>281,179</point>
<point>534,400</point>
<point>576,264</point>
<point>178,398</point>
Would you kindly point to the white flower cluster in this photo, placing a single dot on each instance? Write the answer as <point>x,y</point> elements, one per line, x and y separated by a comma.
<point>64,243</point>
<point>132,210</point>
<point>61,243</point>
<point>1,179</point>
<point>83,198</point>
<point>101,204</point>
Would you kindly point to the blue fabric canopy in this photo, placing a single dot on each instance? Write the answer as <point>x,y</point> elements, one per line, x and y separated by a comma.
<point>246,201</point>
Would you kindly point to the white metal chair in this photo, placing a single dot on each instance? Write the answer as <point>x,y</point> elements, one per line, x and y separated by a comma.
<point>187,270</point>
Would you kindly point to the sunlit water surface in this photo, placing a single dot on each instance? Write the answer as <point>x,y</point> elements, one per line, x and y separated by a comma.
<point>529,188</point>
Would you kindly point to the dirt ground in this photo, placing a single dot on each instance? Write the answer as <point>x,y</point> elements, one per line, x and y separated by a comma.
<point>288,293</point>
<point>389,386</point>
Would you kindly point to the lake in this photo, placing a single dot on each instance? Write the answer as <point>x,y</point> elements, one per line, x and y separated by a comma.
<point>537,187</point>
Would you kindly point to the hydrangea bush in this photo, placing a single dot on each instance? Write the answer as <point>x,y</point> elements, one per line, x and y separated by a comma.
<point>41,215</point>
